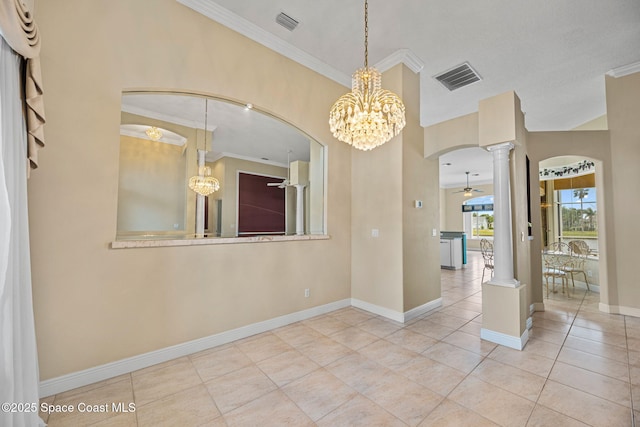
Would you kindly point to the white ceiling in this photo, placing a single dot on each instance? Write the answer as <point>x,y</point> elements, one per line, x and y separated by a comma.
<point>553,53</point>
<point>454,165</point>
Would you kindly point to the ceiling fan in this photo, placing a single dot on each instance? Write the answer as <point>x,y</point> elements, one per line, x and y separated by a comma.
<point>468,191</point>
<point>285,182</point>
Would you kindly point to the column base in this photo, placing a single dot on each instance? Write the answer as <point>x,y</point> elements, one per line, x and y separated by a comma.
<point>516,343</point>
<point>504,315</point>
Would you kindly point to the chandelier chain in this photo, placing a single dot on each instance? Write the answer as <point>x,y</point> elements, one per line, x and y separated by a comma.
<point>206,116</point>
<point>203,183</point>
<point>366,33</point>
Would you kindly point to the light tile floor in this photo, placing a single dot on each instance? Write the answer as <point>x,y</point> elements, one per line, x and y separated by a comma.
<point>352,368</point>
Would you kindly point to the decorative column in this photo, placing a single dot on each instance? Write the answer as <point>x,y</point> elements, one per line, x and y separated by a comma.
<point>200,199</point>
<point>502,234</point>
<point>504,308</point>
<point>299,209</point>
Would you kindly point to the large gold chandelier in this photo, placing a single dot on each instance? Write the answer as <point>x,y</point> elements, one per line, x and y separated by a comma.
<point>368,116</point>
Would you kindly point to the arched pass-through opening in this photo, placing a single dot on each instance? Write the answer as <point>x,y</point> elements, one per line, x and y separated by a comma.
<point>569,208</point>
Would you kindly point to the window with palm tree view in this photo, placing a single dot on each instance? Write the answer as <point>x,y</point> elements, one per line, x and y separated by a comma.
<point>577,214</point>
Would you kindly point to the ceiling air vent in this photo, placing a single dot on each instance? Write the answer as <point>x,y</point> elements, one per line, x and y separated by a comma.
<point>459,76</point>
<point>286,21</point>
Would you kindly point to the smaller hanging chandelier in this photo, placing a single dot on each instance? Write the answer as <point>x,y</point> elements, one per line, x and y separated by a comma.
<point>204,183</point>
<point>368,116</point>
<point>153,133</point>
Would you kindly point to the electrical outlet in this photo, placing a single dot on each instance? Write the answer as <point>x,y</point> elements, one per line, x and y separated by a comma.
<point>589,273</point>
<point>307,293</point>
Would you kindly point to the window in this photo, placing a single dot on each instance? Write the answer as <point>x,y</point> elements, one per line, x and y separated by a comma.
<point>577,214</point>
<point>478,217</point>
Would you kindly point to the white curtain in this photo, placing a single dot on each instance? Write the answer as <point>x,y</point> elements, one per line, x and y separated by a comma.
<point>18,356</point>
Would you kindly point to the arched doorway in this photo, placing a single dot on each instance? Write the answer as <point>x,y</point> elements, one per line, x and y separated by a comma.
<point>571,211</point>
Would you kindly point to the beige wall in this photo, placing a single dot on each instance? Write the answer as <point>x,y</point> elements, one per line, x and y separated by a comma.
<point>623,110</point>
<point>377,203</point>
<point>519,216</point>
<point>590,144</point>
<point>450,135</point>
<point>163,167</point>
<point>399,270</point>
<point>95,305</point>
<point>151,196</point>
<point>599,123</point>
<point>420,177</point>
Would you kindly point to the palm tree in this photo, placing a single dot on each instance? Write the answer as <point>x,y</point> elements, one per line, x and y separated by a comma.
<point>589,214</point>
<point>581,193</point>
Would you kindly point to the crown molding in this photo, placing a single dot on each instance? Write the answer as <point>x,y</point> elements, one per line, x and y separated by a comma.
<point>223,16</point>
<point>217,155</point>
<point>229,19</point>
<point>401,56</point>
<point>140,111</point>
<point>625,70</point>
<point>138,131</point>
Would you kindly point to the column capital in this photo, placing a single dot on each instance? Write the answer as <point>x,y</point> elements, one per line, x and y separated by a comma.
<point>503,145</point>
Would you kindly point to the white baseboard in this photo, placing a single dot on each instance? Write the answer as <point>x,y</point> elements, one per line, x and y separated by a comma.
<point>380,311</point>
<point>420,310</point>
<point>619,309</point>
<point>99,373</point>
<point>89,376</point>
<point>396,315</point>
<point>517,343</point>
<point>529,322</point>
<point>538,306</point>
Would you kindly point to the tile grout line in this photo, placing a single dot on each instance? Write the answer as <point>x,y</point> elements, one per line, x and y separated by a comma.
<point>471,371</point>
<point>556,359</point>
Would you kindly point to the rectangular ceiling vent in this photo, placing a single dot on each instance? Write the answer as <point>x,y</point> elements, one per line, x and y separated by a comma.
<point>286,21</point>
<point>459,76</point>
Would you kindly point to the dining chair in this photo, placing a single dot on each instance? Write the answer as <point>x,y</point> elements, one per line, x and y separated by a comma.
<point>560,248</point>
<point>579,247</point>
<point>486,248</point>
<point>554,267</point>
<point>576,265</point>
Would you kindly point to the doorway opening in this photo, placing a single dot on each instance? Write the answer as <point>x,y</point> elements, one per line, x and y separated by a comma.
<point>572,222</point>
